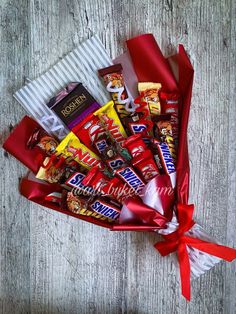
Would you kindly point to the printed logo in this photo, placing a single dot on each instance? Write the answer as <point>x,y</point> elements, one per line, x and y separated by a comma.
<point>95,132</point>
<point>137,128</point>
<point>113,129</point>
<point>168,161</point>
<point>149,172</point>
<point>129,176</point>
<point>84,157</point>
<point>137,150</point>
<point>105,209</point>
<point>116,163</point>
<point>76,182</point>
<point>101,145</point>
<point>73,104</point>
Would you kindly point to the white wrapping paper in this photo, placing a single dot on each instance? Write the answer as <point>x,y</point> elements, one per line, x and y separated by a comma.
<point>80,65</point>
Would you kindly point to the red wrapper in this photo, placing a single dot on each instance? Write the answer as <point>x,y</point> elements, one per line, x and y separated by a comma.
<point>135,145</point>
<point>170,103</point>
<point>38,192</point>
<point>89,131</point>
<point>146,165</point>
<point>103,184</point>
<point>157,69</point>
<point>149,63</point>
<point>17,144</point>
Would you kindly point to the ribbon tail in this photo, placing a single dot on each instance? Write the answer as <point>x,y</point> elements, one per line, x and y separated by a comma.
<point>226,253</point>
<point>184,265</point>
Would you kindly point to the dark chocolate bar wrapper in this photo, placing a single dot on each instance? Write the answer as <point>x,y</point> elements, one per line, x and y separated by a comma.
<point>73,104</point>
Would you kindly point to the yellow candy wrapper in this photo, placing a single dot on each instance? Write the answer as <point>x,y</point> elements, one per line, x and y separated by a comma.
<point>149,92</point>
<point>109,117</point>
<point>49,171</point>
<point>72,147</point>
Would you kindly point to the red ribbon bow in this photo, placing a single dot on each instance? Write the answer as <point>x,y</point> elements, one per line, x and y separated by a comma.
<point>178,241</point>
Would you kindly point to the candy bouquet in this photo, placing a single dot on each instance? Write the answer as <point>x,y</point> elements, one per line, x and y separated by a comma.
<point>106,142</point>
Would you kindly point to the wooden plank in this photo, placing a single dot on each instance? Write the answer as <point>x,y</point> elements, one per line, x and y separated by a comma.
<point>62,265</point>
<point>230,275</point>
<point>15,210</point>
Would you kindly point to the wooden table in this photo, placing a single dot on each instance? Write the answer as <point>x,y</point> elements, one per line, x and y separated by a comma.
<point>51,263</point>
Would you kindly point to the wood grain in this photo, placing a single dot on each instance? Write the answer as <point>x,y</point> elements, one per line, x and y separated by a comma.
<point>51,263</point>
<point>15,211</point>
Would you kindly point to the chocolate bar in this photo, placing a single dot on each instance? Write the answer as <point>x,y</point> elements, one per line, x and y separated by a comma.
<point>73,104</point>
<point>114,81</point>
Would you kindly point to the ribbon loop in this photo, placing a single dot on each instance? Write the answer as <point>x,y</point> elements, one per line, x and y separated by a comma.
<point>178,241</point>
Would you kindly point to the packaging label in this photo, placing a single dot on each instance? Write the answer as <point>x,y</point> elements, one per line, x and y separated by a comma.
<point>113,128</point>
<point>101,145</point>
<point>105,209</point>
<point>77,102</point>
<point>115,163</point>
<point>71,146</point>
<point>167,158</point>
<point>137,151</point>
<point>130,177</point>
<point>149,172</point>
<point>75,182</point>
<point>137,128</point>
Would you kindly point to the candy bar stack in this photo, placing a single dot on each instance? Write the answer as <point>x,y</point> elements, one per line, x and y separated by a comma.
<point>111,150</point>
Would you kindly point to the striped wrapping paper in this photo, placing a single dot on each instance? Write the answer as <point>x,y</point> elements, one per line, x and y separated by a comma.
<point>80,65</point>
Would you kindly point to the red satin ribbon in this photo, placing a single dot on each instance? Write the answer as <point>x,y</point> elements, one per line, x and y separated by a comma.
<point>178,241</point>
